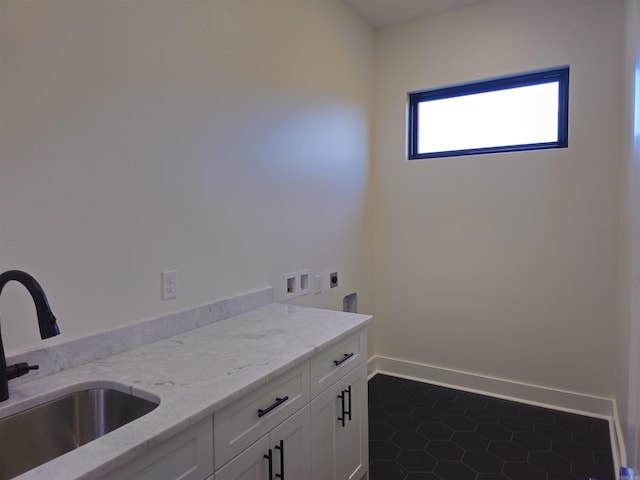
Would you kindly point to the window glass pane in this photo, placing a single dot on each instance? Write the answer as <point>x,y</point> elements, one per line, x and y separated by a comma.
<point>515,116</point>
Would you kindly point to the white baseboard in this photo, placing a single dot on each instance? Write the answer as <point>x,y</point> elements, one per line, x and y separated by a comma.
<point>572,402</point>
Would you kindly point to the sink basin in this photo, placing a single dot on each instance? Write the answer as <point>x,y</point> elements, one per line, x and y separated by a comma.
<point>39,434</point>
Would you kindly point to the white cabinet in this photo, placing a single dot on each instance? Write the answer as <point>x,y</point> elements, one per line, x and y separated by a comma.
<point>291,447</point>
<point>309,423</point>
<point>243,422</point>
<point>187,456</point>
<point>339,425</point>
<point>284,453</point>
<point>331,364</point>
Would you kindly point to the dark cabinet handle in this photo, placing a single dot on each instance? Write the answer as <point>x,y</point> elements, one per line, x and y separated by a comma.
<point>344,358</point>
<point>270,458</point>
<point>341,397</point>
<point>348,412</point>
<point>279,401</point>
<point>345,412</point>
<point>281,448</point>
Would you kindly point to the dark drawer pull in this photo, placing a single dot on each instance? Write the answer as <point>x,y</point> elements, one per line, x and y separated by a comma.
<point>279,401</point>
<point>343,417</point>
<point>281,448</point>
<point>348,412</point>
<point>270,458</point>
<point>346,357</point>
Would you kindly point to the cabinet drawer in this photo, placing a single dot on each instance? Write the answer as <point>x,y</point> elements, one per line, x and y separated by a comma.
<point>243,422</point>
<point>337,360</point>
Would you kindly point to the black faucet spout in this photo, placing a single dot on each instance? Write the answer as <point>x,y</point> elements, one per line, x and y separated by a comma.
<point>46,322</point>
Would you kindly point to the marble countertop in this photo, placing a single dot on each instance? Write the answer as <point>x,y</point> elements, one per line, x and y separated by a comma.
<point>193,374</point>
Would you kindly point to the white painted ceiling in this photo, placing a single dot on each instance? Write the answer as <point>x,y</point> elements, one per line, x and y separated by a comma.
<point>383,13</point>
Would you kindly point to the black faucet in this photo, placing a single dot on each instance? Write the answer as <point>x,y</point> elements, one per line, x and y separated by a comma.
<point>46,322</point>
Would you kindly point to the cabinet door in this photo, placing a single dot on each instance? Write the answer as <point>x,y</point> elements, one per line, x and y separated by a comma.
<point>291,447</point>
<point>353,439</point>
<point>339,442</point>
<point>290,441</point>
<point>251,464</point>
<point>324,429</point>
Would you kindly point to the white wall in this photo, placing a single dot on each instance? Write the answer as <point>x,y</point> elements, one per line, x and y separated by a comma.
<point>230,141</point>
<point>226,139</point>
<point>628,331</point>
<point>502,265</point>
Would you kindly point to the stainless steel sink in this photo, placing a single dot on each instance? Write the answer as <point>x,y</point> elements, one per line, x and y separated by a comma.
<point>39,434</point>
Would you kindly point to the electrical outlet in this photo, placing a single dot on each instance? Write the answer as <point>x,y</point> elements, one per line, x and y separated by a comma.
<point>333,279</point>
<point>317,284</point>
<point>169,284</point>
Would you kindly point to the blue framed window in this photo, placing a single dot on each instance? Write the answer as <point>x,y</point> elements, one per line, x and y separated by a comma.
<point>521,112</point>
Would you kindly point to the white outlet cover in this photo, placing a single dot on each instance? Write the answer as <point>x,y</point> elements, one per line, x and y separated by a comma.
<point>169,284</point>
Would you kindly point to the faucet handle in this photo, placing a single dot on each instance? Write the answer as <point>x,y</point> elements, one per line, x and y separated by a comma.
<point>20,369</point>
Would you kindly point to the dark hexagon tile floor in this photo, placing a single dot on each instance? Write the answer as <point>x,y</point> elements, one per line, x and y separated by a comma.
<point>427,432</point>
